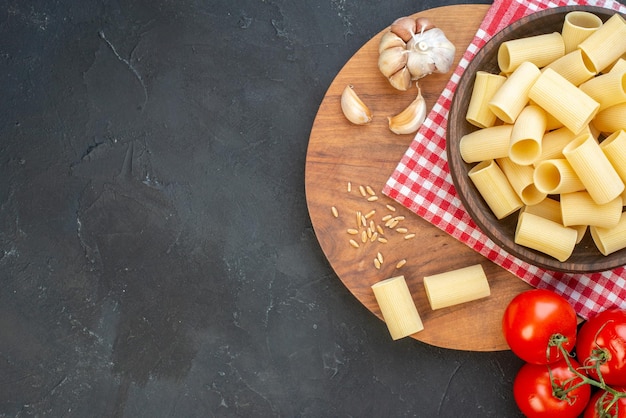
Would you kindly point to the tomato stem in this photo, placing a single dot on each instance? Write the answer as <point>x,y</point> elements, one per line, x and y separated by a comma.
<point>561,390</point>
<point>598,355</point>
<point>556,340</point>
<point>605,412</point>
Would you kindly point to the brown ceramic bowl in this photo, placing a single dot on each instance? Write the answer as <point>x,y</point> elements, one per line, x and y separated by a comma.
<point>586,257</point>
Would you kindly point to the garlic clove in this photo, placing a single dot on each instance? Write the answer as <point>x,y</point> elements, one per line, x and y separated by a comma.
<point>390,40</point>
<point>423,24</point>
<point>353,107</point>
<point>405,27</point>
<point>391,60</point>
<point>420,64</point>
<point>401,80</point>
<point>410,119</point>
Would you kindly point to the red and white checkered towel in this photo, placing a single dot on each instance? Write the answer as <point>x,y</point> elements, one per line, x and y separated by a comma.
<point>422,182</point>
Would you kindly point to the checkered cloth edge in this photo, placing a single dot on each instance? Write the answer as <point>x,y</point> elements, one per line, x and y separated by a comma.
<point>422,183</point>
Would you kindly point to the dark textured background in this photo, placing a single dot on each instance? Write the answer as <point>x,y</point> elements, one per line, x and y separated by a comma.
<point>156,254</point>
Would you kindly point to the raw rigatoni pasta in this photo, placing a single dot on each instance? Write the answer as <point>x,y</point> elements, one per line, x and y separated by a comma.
<point>558,169</point>
<point>614,147</point>
<point>579,208</point>
<point>526,136</point>
<point>521,179</point>
<point>573,67</point>
<point>494,187</point>
<point>577,27</point>
<point>620,65</point>
<point>551,209</point>
<point>563,100</point>
<point>540,50</point>
<point>486,144</point>
<point>607,89</point>
<point>456,286</point>
<point>545,236</point>
<point>607,44</point>
<point>512,96</point>
<point>593,131</point>
<point>611,119</point>
<point>397,307</point>
<point>552,123</point>
<point>593,169</point>
<point>485,85</point>
<point>553,142</point>
<point>548,208</point>
<point>556,176</point>
<point>609,240</point>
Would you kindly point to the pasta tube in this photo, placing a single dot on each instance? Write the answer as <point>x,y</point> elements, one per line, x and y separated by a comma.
<point>456,286</point>
<point>579,208</point>
<point>611,119</point>
<point>551,209</point>
<point>540,50</point>
<point>556,176</point>
<point>593,169</point>
<point>485,85</point>
<point>526,136</point>
<point>397,307</point>
<point>545,236</point>
<point>563,100</point>
<point>521,179</point>
<point>573,67</point>
<point>577,27</point>
<point>607,44</point>
<point>512,96</point>
<point>593,131</point>
<point>551,122</point>
<point>614,147</point>
<point>620,65</point>
<point>547,208</point>
<point>608,89</point>
<point>609,240</point>
<point>486,144</point>
<point>553,142</point>
<point>495,189</point>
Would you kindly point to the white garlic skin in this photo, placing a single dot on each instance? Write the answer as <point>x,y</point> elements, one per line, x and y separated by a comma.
<point>392,60</point>
<point>404,27</point>
<point>429,52</point>
<point>390,40</point>
<point>423,48</point>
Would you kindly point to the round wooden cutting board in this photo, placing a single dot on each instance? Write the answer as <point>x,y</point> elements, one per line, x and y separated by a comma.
<point>341,154</point>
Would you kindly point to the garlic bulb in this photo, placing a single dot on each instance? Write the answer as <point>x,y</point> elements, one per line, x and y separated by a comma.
<point>412,49</point>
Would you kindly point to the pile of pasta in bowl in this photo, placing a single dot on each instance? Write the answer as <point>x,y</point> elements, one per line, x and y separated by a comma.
<point>538,143</point>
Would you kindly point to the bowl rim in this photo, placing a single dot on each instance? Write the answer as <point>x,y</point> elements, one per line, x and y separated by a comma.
<point>530,256</point>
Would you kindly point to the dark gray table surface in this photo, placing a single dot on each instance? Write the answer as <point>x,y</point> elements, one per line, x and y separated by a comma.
<point>156,254</point>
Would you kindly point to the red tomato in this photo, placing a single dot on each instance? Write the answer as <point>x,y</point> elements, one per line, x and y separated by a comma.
<point>532,318</point>
<point>600,405</point>
<point>537,395</point>
<point>602,340</point>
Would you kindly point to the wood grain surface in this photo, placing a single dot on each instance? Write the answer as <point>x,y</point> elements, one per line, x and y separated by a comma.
<point>340,152</point>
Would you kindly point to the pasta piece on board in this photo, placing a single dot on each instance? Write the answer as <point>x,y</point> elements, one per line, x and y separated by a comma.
<point>457,286</point>
<point>397,307</point>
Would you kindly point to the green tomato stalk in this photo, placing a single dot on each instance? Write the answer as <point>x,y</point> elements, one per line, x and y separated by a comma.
<point>560,390</point>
